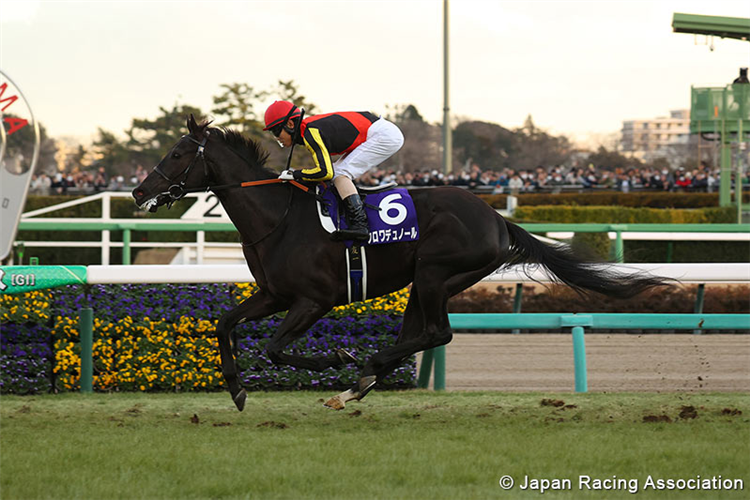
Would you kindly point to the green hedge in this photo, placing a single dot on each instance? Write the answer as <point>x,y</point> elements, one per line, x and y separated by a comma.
<point>687,251</point>
<point>645,251</point>
<point>625,215</point>
<point>645,199</point>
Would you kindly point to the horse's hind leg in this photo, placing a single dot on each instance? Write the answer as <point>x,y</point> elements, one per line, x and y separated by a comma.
<point>412,325</point>
<point>258,305</point>
<point>426,327</point>
<point>426,324</point>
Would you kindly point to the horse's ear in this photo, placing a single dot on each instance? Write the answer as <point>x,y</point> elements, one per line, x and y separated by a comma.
<point>191,124</point>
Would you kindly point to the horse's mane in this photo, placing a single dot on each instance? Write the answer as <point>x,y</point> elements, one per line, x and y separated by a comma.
<point>248,149</point>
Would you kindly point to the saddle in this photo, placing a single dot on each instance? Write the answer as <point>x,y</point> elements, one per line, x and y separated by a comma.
<point>365,190</point>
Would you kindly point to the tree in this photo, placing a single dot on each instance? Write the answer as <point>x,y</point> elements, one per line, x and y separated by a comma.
<point>148,140</point>
<point>612,160</point>
<point>533,147</point>
<point>486,144</point>
<point>403,113</point>
<point>236,108</point>
<point>113,155</point>
<point>289,91</point>
<point>421,149</point>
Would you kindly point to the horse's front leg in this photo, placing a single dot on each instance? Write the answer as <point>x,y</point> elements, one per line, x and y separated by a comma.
<point>302,315</point>
<point>258,305</point>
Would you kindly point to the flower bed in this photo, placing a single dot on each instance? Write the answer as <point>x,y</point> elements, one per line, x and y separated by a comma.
<point>25,358</point>
<point>25,344</point>
<point>162,338</point>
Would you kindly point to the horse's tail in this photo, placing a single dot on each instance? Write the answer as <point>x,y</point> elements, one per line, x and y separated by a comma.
<point>563,265</point>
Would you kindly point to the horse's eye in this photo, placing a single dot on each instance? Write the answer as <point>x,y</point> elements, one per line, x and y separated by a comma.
<point>175,155</point>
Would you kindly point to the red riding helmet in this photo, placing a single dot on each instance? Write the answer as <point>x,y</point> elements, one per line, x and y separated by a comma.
<point>279,113</point>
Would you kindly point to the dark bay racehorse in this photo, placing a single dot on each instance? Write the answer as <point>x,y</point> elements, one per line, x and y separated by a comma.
<point>299,269</point>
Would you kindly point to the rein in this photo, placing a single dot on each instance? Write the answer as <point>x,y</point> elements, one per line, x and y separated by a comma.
<point>246,184</point>
<point>281,220</point>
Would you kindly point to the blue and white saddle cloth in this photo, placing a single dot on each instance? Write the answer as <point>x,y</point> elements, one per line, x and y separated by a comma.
<point>391,215</point>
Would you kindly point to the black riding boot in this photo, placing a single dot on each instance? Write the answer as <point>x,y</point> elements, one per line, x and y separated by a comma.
<point>356,220</point>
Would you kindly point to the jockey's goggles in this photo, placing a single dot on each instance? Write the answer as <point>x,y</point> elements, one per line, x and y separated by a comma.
<point>276,131</point>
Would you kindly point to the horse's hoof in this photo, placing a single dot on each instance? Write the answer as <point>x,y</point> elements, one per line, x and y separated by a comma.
<point>335,403</point>
<point>346,357</point>
<point>239,399</point>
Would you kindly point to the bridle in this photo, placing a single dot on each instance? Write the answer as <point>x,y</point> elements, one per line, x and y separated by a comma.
<point>178,191</point>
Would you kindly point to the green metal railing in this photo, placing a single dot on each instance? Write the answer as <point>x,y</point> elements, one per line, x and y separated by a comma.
<point>577,323</point>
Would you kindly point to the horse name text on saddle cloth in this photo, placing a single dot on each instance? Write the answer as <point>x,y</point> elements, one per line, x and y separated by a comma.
<point>392,220</point>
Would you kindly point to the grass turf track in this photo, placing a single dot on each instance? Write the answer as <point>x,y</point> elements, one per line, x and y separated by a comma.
<point>404,445</point>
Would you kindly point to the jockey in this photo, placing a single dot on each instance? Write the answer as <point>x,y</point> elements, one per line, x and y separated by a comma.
<point>363,139</point>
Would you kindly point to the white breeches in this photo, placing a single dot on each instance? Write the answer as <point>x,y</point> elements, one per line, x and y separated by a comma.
<point>384,139</point>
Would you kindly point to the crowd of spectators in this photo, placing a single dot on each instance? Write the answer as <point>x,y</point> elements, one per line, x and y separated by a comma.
<point>556,179</point>
<point>84,182</point>
<point>540,179</point>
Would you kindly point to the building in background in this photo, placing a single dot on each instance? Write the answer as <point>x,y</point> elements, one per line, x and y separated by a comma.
<point>663,137</point>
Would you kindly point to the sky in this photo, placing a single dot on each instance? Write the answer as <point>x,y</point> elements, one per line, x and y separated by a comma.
<point>578,67</point>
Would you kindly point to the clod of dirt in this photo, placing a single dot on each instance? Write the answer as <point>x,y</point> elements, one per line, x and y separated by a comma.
<point>700,378</point>
<point>731,411</point>
<point>657,418</point>
<point>553,402</point>
<point>133,412</point>
<point>194,419</point>
<point>355,413</point>
<point>688,412</point>
<point>24,409</point>
<point>416,415</point>
<point>222,424</point>
<point>567,407</point>
<point>483,415</point>
<point>273,425</point>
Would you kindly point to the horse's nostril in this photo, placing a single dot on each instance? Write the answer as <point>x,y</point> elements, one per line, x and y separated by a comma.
<point>139,192</point>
